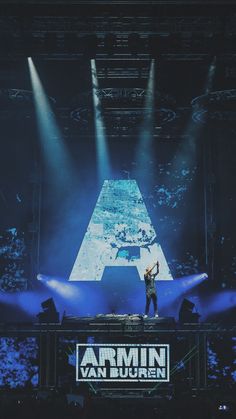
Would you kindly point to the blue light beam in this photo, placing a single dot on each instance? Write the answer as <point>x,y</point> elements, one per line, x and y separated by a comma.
<point>187,153</point>
<point>55,153</point>
<point>218,303</point>
<point>144,155</point>
<point>103,163</point>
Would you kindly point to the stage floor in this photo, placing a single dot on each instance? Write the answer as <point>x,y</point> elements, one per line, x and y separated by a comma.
<point>115,323</point>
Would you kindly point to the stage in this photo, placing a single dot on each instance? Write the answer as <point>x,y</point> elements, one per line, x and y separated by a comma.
<point>117,202</point>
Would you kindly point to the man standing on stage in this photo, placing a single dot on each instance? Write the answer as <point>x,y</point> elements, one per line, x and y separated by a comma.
<point>151,294</point>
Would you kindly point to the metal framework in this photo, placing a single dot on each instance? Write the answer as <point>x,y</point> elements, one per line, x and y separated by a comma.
<point>124,329</point>
<point>59,30</point>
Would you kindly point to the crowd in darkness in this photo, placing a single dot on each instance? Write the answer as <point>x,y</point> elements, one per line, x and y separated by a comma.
<point>57,406</point>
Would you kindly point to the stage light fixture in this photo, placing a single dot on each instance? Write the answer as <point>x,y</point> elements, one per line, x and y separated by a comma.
<point>186,314</point>
<point>43,278</point>
<point>49,313</point>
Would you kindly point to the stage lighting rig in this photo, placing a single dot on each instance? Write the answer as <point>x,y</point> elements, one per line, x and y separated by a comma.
<point>50,43</point>
<point>157,45</point>
<point>71,43</point>
<point>109,43</point>
<point>89,46</point>
<point>134,43</point>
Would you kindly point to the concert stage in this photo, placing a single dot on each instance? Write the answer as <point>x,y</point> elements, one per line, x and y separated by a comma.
<point>117,195</point>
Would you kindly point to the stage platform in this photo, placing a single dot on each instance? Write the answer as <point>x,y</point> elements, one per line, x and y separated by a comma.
<point>56,341</point>
<point>116,324</point>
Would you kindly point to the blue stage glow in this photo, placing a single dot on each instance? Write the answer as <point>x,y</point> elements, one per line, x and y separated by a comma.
<point>120,233</point>
<point>59,286</point>
<point>13,252</point>
<point>114,294</point>
<point>217,303</point>
<point>66,290</point>
<point>18,362</point>
<point>28,301</point>
<point>221,359</point>
<point>193,280</point>
<point>72,298</point>
<point>170,294</point>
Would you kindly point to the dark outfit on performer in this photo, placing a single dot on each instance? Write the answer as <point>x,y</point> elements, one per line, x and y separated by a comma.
<point>151,294</point>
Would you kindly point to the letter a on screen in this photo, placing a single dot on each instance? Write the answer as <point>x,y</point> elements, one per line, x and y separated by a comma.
<point>120,233</point>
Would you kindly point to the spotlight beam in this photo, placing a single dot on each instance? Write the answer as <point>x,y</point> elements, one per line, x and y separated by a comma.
<point>54,152</point>
<point>104,170</point>
<point>144,155</point>
<point>180,286</point>
<point>187,149</point>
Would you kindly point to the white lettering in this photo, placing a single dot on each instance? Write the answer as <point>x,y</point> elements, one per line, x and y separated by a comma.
<point>157,358</point>
<point>89,358</point>
<point>143,361</point>
<point>92,373</point>
<point>84,372</point>
<point>130,359</point>
<point>107,354</point>
<point>142,372</point>
<point>114,373</point>
<point>161,373</point>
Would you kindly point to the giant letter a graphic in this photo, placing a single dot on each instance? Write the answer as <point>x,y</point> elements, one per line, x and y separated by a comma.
<point>120,233</point>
